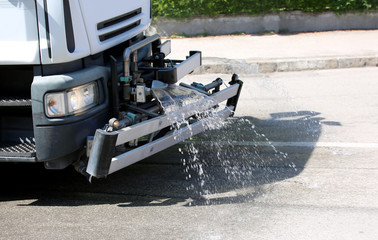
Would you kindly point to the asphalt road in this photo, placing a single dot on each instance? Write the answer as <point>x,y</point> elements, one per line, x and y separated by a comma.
<point>298,161</point>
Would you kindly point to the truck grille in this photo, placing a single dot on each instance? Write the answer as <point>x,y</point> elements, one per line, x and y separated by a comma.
<point>118,25</point>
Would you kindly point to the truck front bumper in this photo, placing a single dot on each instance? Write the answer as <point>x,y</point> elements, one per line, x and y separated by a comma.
<point>103,159</point>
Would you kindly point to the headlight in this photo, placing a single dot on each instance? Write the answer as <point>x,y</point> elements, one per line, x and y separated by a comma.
<point>71,101</point>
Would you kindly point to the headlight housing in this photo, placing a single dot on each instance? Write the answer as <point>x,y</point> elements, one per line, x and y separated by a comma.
<point>71,101</point>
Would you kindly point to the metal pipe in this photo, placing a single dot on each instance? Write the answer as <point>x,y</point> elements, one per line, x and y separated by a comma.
<point>132,50</point>
<point>114,86</point>
<point>194,88</point>
<point>215,84</point>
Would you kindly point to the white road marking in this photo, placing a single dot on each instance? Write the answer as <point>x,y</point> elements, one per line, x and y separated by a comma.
<point>291,144</point>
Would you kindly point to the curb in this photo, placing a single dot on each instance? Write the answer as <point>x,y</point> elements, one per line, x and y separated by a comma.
<point>292,21</point>
<point>253,66</point>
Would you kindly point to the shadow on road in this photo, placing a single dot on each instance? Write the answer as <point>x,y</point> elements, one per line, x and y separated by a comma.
<point>236,164</point>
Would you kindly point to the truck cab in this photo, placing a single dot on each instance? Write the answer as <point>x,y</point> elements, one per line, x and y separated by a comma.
<point>54,68</point>
<point>77,80</point>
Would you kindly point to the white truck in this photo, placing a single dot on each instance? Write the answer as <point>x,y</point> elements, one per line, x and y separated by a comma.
<point>77,80</point>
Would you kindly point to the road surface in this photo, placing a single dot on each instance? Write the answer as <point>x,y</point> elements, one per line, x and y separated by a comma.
<point>299,161</point>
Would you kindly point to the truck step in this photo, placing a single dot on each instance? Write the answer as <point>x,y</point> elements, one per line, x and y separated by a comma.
<point>23,151</point>
<point>14,102</point>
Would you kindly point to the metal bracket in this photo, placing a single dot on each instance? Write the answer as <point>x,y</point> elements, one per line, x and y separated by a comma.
<point>234,100</point>
<point>176,69</point>
<point>172,75</point>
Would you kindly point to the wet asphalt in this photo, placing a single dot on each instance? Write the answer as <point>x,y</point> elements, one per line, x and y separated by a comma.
<point>297,161</point>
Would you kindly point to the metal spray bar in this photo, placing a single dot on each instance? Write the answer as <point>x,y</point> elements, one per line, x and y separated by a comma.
<point>101,160</point>
<point>163,143</point>
<point>147,127</point>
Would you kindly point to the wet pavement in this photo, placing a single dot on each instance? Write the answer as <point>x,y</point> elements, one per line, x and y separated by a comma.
<point>298,161</point>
